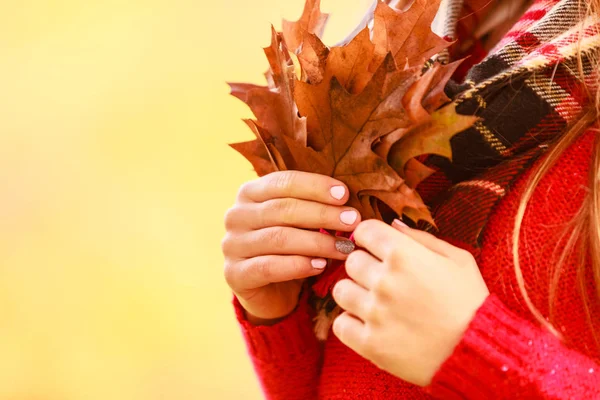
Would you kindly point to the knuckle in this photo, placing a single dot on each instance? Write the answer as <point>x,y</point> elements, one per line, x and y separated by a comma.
<point>263,268</point>
<point>231,217</point>
<point>339,327</point>
<point>360,228</point>
<point>385,290</point>
<point>230,272</point>
<point>466,258</point>
<point>352,262</point>
<point>365,226</point>
<point>370,224</point>
<point>282,180</point>
<point>467,255</point>
<point>286,210</point>
<point>277,237</point>
<point>355,262</point>
<point>395,260</point>
<point>322,243</point>
<point>339,292</point>
<point>297,264</point>
<point>368,345</point>
<point>342,293</point>
<point>323,212</point>
<point>370,308</point>
<point>245,188</point>
<point>226,244</point>
<point>428,236</point>
<point>381,286</point>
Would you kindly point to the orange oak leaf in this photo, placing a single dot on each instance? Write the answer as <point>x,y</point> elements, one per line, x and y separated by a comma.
<point>407,34</point>
<point>311,21</point>
<point>431,137</point>
<point>312,59</point>
<point>436,97</point>
<point>360,112</point>
<point>257,152</point>
<point>274,105</point>
<point>356,122</point>
<point>347,64</point>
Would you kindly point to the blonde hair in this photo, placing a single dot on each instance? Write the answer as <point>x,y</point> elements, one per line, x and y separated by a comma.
<point>581,237</point>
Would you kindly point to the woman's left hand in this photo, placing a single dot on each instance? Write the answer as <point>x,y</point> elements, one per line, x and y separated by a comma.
<point>410,299</point>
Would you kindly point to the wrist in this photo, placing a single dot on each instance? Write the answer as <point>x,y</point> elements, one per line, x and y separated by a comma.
<point>265,317</point>
<point>258,321</point>
<point>268,311</point>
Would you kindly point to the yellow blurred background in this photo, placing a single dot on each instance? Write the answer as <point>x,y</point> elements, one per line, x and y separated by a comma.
<point>114,178</point>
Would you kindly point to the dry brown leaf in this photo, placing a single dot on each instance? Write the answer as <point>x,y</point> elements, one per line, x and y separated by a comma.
<point>274,106</point>
<point>431,137</point>
<point>356,122</point>
<point>256,151</point>
<point>349,69</point>
<point>360,112</point>
<point>436,97</point>
<point>407,35</point>
<point>312,59</point>
<point>311,21</point>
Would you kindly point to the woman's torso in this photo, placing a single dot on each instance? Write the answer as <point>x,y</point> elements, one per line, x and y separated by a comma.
<point>560,194</point>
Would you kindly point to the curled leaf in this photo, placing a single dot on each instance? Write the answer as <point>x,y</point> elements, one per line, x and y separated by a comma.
<point>311,21</point>
<point>361,112</point>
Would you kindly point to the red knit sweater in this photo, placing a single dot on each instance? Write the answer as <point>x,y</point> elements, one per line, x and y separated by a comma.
<point>504,354</point>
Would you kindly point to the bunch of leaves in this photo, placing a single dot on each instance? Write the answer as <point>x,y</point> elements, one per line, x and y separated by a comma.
<point>361,112</point>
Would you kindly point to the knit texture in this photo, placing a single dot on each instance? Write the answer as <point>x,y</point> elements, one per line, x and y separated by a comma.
<point>504,354</point>
<point>526,92</point>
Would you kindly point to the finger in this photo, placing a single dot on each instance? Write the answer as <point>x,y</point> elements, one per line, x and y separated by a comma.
<point>284,241</point>
<point>295,184</point>
<point>260,271</point>
<point>427,239</point>
<point>351,331</point>
<point>292,212</point>
<point>381,240</point>
<point>364,269</point>
<point>352,298</point>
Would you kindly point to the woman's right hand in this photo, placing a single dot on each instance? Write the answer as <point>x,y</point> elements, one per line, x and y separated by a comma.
<point>272,242</point>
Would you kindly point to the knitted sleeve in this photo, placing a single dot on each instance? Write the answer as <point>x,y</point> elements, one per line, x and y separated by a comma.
<point>503,356</point>
<point>286,356</point>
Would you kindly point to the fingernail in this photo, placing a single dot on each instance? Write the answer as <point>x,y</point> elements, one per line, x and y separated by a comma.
<point>344,246</point>
<point>319,263</point>
<point>348,217</point>
<point>338,192</point>
<point>399,224</point>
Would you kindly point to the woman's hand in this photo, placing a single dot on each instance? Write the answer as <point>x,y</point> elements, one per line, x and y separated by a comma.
<point>411,298</point>
<point>272,242</point>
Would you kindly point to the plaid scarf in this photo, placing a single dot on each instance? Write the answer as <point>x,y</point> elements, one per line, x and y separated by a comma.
<point>526,91</point>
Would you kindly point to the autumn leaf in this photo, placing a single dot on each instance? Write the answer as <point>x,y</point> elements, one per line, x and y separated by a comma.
<point>361,112</point>
<point>407,35</point>
<point>311,21</point>
<point>256,151</point>
<point>436,97</point>
<point>274,108</point>
<point>312,59</point>
<point>357,121</point>
<point>431,137</point>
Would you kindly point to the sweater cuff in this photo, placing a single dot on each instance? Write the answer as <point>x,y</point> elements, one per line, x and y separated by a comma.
<point>291,338</point>
<point>491,350</point>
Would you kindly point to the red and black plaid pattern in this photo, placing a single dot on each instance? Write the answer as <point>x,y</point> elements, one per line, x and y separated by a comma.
<point>527,91</point>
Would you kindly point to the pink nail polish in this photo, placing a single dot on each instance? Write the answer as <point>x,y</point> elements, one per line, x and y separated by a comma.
<point>399,224</point>
<point>319,263</point>
<point>337,192</point>
<point>348,217</point>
